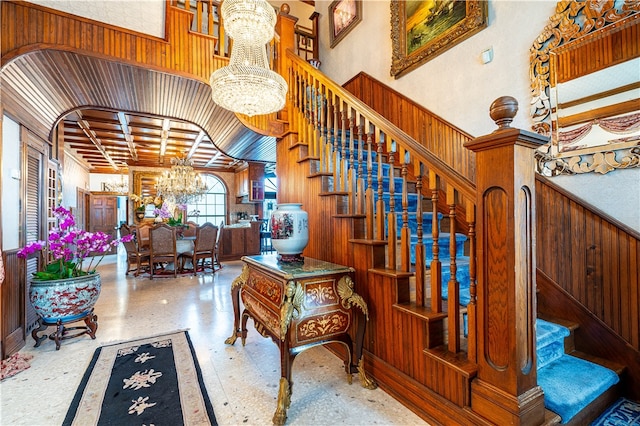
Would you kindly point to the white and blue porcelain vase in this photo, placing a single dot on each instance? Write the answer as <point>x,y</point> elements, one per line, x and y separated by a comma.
<point>289,231</point>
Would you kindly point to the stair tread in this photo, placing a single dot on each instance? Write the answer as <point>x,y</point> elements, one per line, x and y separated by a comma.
<point>611,365</point>
<point>459,360</point>
<point>570,384</point>
<point>571,325</point>
<point>423,312</point>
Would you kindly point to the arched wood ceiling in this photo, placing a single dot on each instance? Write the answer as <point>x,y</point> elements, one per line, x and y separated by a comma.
<point>99,99</point>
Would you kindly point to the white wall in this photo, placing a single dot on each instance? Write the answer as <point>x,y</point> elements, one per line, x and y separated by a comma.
<point>145,16</point>
<point>11,175</point>
<point>74,176</point>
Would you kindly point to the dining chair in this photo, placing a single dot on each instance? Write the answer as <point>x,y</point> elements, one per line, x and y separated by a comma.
<point>204,247</point>
<point>216,250</point>
<point>162,239</point>
<point>191,230</point>
<point>143,235</point>
<point>136,258</point>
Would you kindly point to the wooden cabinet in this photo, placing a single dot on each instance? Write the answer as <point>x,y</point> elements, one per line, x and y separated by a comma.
<point>250,183</point>
<point>242,183</point>
<point>238,242</point>
<point>300,305</point>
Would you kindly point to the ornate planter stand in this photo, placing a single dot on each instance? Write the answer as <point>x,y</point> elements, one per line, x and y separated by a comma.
<point>62,332</point>
<point>62,302</point>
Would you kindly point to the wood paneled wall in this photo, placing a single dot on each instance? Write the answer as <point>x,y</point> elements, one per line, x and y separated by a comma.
<point>593,259</point>
<point>34,27</point>
<point>440,137</point>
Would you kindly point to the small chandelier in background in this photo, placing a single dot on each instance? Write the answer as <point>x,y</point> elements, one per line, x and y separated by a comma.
<point>247,85</point>
<point>182,184</point>
<point>121,187</point>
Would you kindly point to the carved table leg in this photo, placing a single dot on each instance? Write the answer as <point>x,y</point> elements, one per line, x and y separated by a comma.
<point>236,285</point>
<point>34,333</point>
<point>284,401</point>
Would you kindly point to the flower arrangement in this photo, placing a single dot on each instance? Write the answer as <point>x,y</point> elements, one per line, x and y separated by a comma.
<point>68,246</point>
<point>164,212</point>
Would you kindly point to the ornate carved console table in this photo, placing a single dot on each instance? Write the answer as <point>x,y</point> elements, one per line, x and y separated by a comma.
<point>300,305</point>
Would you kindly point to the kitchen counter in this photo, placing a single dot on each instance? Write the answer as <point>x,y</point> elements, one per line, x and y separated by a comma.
<point>239,239</point>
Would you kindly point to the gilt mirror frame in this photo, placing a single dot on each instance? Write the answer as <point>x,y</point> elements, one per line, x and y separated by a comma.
<point>583,29</point>
<point>441,23</point>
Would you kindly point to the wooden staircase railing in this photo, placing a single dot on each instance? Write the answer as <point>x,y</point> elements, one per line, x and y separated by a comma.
<point>323,110</point>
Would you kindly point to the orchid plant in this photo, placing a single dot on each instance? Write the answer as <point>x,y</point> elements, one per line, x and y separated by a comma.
<point>69,246</point>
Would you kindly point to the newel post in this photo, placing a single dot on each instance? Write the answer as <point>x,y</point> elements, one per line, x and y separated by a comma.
<point>505,390</point>
<point>286,33</point>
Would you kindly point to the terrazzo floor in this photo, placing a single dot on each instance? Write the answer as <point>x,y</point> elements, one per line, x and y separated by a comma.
<point>242,382</point>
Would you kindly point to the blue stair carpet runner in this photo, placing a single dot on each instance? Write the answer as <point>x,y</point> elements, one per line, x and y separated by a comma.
<point>622,413</point>
<point>569,383</point>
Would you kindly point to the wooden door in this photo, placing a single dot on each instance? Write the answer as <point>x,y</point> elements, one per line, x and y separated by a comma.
<point>104,214</point>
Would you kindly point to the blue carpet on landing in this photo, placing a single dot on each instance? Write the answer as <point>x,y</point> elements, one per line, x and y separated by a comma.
<point>571,383</point>
<point>622,413</point>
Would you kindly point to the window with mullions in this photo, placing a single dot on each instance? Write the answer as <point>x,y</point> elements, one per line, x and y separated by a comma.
<point>212,206</point>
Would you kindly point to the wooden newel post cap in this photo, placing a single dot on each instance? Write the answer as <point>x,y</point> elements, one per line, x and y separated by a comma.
<point>503,110</point>
<point>285,8</point>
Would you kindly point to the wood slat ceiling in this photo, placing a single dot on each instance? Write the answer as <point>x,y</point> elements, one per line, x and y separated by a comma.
<point>117,114</point>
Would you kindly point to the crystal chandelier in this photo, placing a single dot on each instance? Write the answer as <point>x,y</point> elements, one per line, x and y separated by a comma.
<point>181,184</point>
<point>121,187</point>
<point>247,85</point>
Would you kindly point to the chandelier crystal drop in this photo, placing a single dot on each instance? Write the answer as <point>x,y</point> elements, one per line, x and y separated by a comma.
<point>249,20</point>
<point>182,184</point>
<point>247,85</point>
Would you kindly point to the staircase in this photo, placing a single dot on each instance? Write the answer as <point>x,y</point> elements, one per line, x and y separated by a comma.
<point>576,389</point>
<point>365,192</point>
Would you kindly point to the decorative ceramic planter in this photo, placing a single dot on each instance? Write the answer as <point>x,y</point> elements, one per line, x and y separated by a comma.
<point>64,300</point>
<point>289,231</point>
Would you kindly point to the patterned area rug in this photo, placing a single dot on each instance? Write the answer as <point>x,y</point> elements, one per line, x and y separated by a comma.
<point>622,413</point>
<point>150,381</point>
<point>14,364</point>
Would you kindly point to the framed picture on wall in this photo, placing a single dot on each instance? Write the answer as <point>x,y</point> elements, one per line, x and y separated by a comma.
<point>344,15</point>
<point>421,30</point>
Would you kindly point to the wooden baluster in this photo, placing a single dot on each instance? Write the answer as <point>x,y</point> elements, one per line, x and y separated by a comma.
<point>198,24</point>
<point>392,225</point>
<point>223,49</point>
<point>471,308</point>
<point>343,148</point>
<point>436,266</point>
<point>336,142</point>
<point>360,173</point>
<point>380,209</point>
<point>369,197</point>
<point>325,146</point>
<point>210,11</point>
<point>420,259</point>
<point>351,172</point>
<point>453,298</point>
<point>313,128</point>
<point>405,234</point>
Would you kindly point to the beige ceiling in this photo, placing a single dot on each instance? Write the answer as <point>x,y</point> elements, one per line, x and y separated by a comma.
<point>117,115</point>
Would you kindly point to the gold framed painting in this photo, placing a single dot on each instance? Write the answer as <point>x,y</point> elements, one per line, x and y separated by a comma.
<point>344,15</point>
<point>421,30</point>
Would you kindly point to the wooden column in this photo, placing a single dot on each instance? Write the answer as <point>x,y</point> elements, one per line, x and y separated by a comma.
<point>505,390</point>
